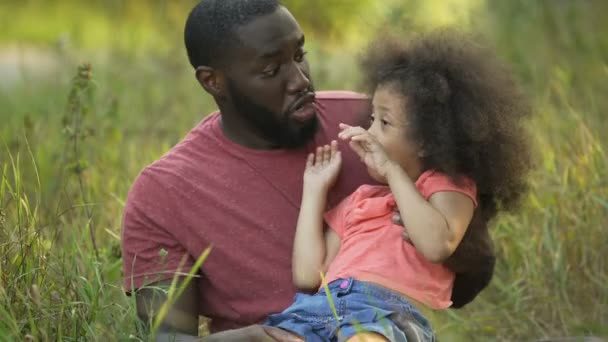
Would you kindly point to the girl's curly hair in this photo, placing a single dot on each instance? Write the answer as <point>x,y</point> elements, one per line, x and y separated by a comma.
<point>467,113</point>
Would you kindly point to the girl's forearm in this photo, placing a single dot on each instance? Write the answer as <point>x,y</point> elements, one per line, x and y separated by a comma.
<point>427,228</point>
<point>309,244</point>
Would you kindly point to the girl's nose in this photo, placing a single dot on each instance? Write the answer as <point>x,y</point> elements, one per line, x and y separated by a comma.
<point>372,129</point>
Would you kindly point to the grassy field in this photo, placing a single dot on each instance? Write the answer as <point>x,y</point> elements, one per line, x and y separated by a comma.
<point>73,137</point>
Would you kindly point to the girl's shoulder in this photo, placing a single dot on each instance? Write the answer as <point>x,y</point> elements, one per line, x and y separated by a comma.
<point>369,191</point>
<point>432,181</point>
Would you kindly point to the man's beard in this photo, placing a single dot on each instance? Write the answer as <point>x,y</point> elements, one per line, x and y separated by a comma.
<point>280,131</point>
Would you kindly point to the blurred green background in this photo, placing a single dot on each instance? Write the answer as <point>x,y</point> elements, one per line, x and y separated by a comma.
<point>73,141</point>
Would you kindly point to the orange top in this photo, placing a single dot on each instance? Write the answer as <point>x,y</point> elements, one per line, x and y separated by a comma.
<point>373,249</point>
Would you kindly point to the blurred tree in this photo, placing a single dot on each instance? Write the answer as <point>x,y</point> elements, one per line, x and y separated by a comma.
<point>148,22</point>
<point>557,43</point>
<point>338,20</point>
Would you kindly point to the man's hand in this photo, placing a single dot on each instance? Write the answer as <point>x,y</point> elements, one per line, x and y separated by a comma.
<point>253,333</point>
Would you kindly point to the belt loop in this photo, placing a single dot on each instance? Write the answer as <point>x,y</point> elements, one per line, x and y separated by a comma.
<point>345,286</point>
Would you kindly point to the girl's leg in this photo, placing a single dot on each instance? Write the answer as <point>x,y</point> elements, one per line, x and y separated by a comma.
<point>367,337</point>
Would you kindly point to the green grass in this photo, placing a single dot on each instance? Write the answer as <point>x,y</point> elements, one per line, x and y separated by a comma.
<point>72,141</point>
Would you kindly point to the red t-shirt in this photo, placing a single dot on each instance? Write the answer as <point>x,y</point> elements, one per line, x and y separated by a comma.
<point>207,191</point>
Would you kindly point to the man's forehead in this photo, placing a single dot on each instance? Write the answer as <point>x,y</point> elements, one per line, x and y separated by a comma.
<point>267,34</point>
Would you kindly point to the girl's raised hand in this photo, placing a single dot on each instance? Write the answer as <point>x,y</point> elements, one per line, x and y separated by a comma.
<point>323,167</point>
<point>367,148</point>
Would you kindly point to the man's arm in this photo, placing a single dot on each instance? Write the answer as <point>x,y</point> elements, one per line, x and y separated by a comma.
<point>182,316</point>
<point>181,322</point>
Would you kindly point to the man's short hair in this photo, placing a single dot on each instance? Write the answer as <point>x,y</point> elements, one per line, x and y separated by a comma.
<point>211,25</point>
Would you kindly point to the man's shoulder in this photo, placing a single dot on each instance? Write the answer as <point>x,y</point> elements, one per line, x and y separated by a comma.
<point>182,160</point>
<point>340,95</point>
<point>158,182</point>
<point>201,138</point>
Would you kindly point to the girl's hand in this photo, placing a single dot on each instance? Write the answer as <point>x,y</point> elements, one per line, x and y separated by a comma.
<point>367,148</point>
<point>323,167</point>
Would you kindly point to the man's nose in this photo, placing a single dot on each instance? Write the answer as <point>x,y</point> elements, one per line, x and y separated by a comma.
<point>298,80</point>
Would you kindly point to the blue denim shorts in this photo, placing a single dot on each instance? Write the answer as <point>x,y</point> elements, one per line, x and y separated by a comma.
<point>360,306</point>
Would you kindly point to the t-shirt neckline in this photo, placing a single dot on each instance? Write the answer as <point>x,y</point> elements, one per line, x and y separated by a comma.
<point>225,142</point>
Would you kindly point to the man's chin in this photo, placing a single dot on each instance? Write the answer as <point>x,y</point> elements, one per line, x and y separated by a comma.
<point>302,132</point>
<point>303,122</point>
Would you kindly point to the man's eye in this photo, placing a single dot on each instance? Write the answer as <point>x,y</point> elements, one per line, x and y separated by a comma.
<point>384,122</point>
<point>270,72</point>
<point>371,118</point>
<point>300,56</point>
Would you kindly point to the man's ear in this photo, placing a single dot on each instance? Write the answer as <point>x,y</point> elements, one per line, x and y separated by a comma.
<point>212,80</point>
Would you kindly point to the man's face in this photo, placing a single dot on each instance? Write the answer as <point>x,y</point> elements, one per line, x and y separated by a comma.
<point>268,80</point>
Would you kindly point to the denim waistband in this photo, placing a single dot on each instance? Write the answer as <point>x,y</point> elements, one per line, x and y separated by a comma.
<point>343,286</point>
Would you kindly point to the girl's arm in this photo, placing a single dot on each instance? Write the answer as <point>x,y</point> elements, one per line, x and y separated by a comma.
<point>315,246</point>
<point>309,245</point>
<point>435,227</point>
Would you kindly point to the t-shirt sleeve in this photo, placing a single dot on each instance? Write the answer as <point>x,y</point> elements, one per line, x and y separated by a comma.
<point>150,252</point>
<point>336,217</point>
<point>431,182</point>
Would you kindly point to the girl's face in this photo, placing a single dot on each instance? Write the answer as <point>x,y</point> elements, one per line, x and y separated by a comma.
<point>390,126</point>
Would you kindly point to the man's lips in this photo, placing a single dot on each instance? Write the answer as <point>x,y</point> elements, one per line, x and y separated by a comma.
<point>305,99</point>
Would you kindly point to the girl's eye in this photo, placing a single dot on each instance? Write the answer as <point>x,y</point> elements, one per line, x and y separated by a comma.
<point>372,118</point>
<point>383,122</point>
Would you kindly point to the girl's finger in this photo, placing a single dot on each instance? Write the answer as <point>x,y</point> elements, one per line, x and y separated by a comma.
<point>361,137</point>
<point>334,148</point>
<point>368,141</point>
<point>344,134</point>
<point>358,130</point>
<point>326,154</point>
<point>364,141</point>
<point>310,160</point>
<point>319,156</point>
<point>351,131</point>
<point>357,148</point>
<point>338,157</point>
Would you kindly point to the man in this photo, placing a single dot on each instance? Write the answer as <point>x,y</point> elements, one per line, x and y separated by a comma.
<point>234,182</point>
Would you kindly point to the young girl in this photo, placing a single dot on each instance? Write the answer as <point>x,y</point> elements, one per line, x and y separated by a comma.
<point>446,138</point>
